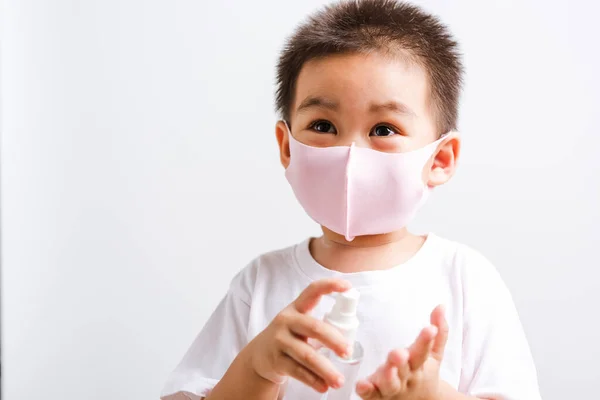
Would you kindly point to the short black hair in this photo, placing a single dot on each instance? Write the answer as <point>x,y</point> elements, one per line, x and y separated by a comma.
<point>363,26</point>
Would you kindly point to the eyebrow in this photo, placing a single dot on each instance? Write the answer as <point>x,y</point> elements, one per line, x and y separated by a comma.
<point>316,101</point>
<point>322,102</point>
<point>393,106</point>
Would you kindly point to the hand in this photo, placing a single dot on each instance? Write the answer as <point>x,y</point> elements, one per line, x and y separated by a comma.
<point>282,349</point>
<point>413,373</point>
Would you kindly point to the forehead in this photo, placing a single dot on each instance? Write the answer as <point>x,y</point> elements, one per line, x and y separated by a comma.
<point>356,80</point>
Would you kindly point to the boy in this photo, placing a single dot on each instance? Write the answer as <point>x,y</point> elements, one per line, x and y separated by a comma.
<point>368,91</point>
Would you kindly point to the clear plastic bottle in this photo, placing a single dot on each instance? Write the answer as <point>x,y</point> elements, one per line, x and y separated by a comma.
<point>343,317</point>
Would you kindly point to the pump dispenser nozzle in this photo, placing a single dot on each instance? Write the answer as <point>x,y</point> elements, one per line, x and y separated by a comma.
<point>343,315</point>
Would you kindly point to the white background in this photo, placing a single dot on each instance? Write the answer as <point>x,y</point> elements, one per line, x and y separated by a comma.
<point>140,172</point>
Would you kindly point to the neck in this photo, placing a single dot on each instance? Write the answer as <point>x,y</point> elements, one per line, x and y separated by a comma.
<point>364,253</point>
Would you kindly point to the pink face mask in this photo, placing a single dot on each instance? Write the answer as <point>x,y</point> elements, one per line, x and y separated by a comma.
<point>357,191</point>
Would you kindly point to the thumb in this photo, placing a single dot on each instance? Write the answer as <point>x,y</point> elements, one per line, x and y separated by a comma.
<point>366,390</point>
<point>438,319</point>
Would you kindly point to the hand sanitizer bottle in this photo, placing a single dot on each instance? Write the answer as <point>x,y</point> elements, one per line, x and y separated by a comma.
<point>343,317</point>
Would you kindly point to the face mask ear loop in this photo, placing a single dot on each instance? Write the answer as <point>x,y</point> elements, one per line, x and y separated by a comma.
<point>287,126</point>
<point>447,134</point>
<point>443,136</point>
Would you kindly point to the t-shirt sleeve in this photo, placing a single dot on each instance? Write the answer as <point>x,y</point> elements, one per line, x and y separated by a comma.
<point>497,361</point>
<point>213,350</point>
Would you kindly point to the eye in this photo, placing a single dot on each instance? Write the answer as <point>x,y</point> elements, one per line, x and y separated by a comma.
<point>383,131</point>
<point>322,127</point>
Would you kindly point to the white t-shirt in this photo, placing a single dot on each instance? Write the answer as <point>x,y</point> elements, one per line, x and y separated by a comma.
<point>487,354</point>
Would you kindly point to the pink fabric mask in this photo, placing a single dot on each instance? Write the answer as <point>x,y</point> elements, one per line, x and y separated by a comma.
<point>357,191</point>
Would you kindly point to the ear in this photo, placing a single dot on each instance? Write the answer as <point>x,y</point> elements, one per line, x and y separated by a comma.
<point>282,134</point>
<point>445,160</point>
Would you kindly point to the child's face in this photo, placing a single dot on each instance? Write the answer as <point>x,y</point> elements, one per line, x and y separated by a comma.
<point>372,100</point>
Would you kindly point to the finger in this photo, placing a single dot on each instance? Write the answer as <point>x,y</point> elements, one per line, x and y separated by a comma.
<point>399,358</point>
<point>310,297</point>
<point>387,381</point>
<point>307,356</point>
<point>376,379</point>
<point>366,390</point>
<point>419,350</point>
<point>438,319</point>
<point>302,374</point>
<point>309,327</point>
